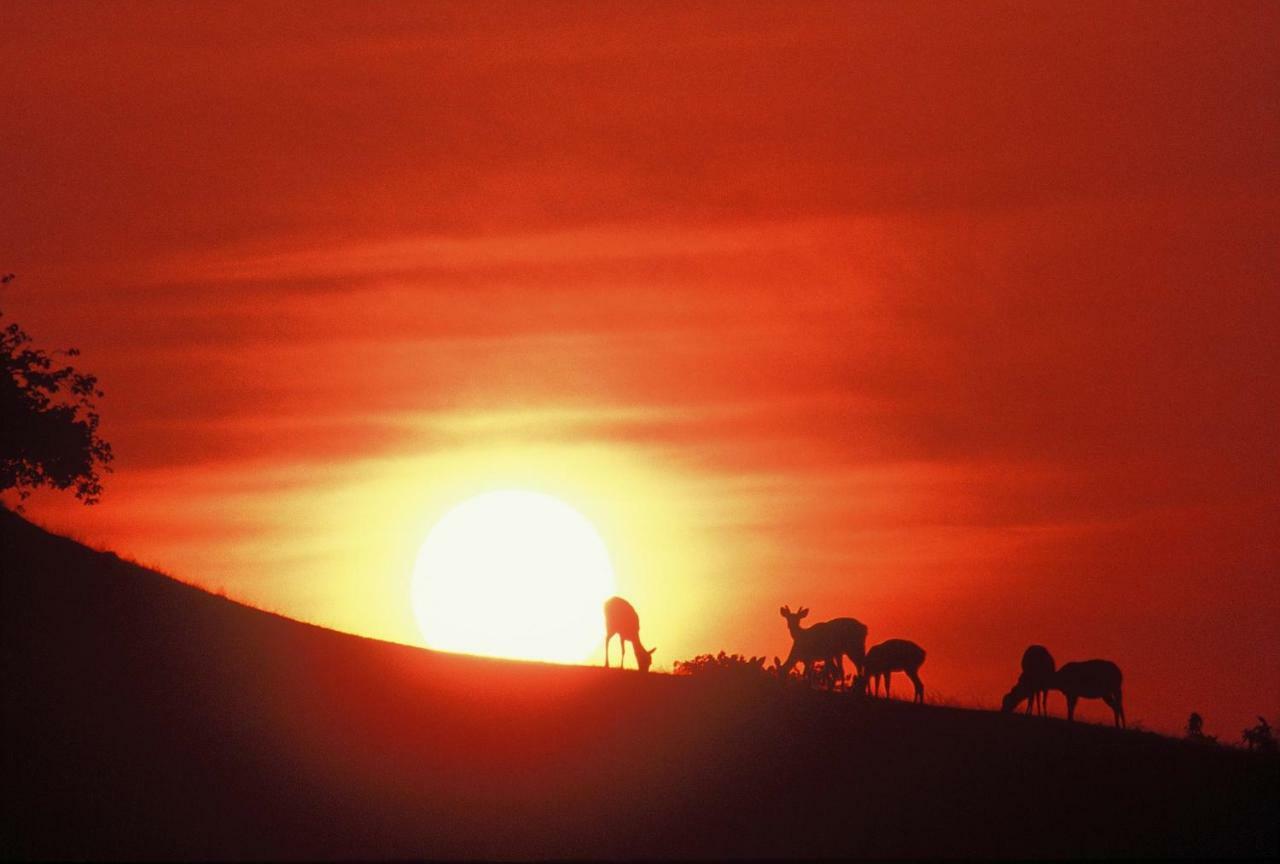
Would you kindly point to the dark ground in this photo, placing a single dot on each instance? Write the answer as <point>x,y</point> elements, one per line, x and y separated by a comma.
<point>145,718</point>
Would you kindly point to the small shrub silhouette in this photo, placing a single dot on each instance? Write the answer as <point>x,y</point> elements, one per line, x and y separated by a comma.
<point>1195,730</point>
<point>1259,737</point>
<point>722,664</point>
<point>822,675</point>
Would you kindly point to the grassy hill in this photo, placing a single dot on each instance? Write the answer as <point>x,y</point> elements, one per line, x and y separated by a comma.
<point>145,718</point>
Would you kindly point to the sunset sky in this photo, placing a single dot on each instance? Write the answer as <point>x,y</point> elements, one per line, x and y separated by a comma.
<point>960,319</point>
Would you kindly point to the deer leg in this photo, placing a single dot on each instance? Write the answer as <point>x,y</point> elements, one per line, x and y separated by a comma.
<point>1071,707</point>
<point>785,667</point>
<point>1113,700</point>
<point>607,640</point>
<point>914,675</point>
<point>622,664</point>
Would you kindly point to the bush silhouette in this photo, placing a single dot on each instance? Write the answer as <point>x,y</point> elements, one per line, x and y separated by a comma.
<point>1195,730</point>
<point>723,665</point>
<point>1260,737</point>
<point>48,421</point>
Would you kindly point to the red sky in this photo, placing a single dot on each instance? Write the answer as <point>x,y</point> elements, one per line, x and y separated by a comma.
<point>957,318</point>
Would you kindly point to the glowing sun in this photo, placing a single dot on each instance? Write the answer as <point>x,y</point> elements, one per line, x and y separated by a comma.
<point>513,574</point>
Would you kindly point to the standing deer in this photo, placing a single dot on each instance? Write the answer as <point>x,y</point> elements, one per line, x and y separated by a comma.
<point>828,641</point>
<point>893,655</point>
<point>1035,682</point>
<point>1091,679</point>
<point>620,618</point>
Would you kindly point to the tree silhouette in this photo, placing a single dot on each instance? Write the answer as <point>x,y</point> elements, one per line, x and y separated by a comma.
<point>48,420</point>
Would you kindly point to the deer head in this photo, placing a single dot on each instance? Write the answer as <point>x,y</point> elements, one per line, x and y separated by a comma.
<point>644,658</point>
<point>793,617</point>
<point>1013,697</point>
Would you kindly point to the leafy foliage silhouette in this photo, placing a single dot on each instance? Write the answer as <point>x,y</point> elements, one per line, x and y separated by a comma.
<point>722,664</point>
<point>1195,730</point>
<point>736,667</point>
<point>1260,737</point>
<point>48,420</point>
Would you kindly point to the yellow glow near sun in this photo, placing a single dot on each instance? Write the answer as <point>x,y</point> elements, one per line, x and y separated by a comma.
<point>513,574</point>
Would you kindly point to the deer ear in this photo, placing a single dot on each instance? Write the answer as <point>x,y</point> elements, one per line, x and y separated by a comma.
<point>652,651</point>
<point>783,610</point>
<point>804,612</point>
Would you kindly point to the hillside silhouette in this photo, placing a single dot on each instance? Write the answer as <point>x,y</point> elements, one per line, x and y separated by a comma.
<point>146,718</point>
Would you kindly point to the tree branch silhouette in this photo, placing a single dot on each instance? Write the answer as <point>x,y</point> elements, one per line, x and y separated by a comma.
<point>48,420</point>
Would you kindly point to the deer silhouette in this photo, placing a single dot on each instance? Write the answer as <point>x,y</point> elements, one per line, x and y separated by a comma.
<point>620,618</point>
<point>1090,679</point>
<point>805,646</point>
<point>827,641</point>
<point>849,635</point>
<point>893,655</point>
<point>1035,682</point>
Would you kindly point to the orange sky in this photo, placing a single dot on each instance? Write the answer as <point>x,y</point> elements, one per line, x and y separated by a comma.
<point>957,318</point>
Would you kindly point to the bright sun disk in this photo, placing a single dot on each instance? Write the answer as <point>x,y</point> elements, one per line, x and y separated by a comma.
<point>513,574</point>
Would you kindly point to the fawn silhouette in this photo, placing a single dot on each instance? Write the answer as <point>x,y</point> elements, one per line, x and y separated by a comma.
<point>827,641</point>
<point>1034,683</point>
<point>893,655</point>
<point>620,618</point>
<point>1090,679</point>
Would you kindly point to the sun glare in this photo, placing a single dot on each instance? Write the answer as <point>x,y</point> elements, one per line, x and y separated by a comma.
<point>513,574</point>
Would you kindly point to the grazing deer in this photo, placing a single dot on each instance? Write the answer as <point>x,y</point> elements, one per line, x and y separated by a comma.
<point>849,636</point>
<point>1091,679</point>
<point>620,618</point>
<point>828,641</point>
<point>1035,682</point>
<point>893,655</point>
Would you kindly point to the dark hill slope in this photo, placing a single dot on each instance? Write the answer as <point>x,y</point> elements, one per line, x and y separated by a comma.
<point>145,718</point>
